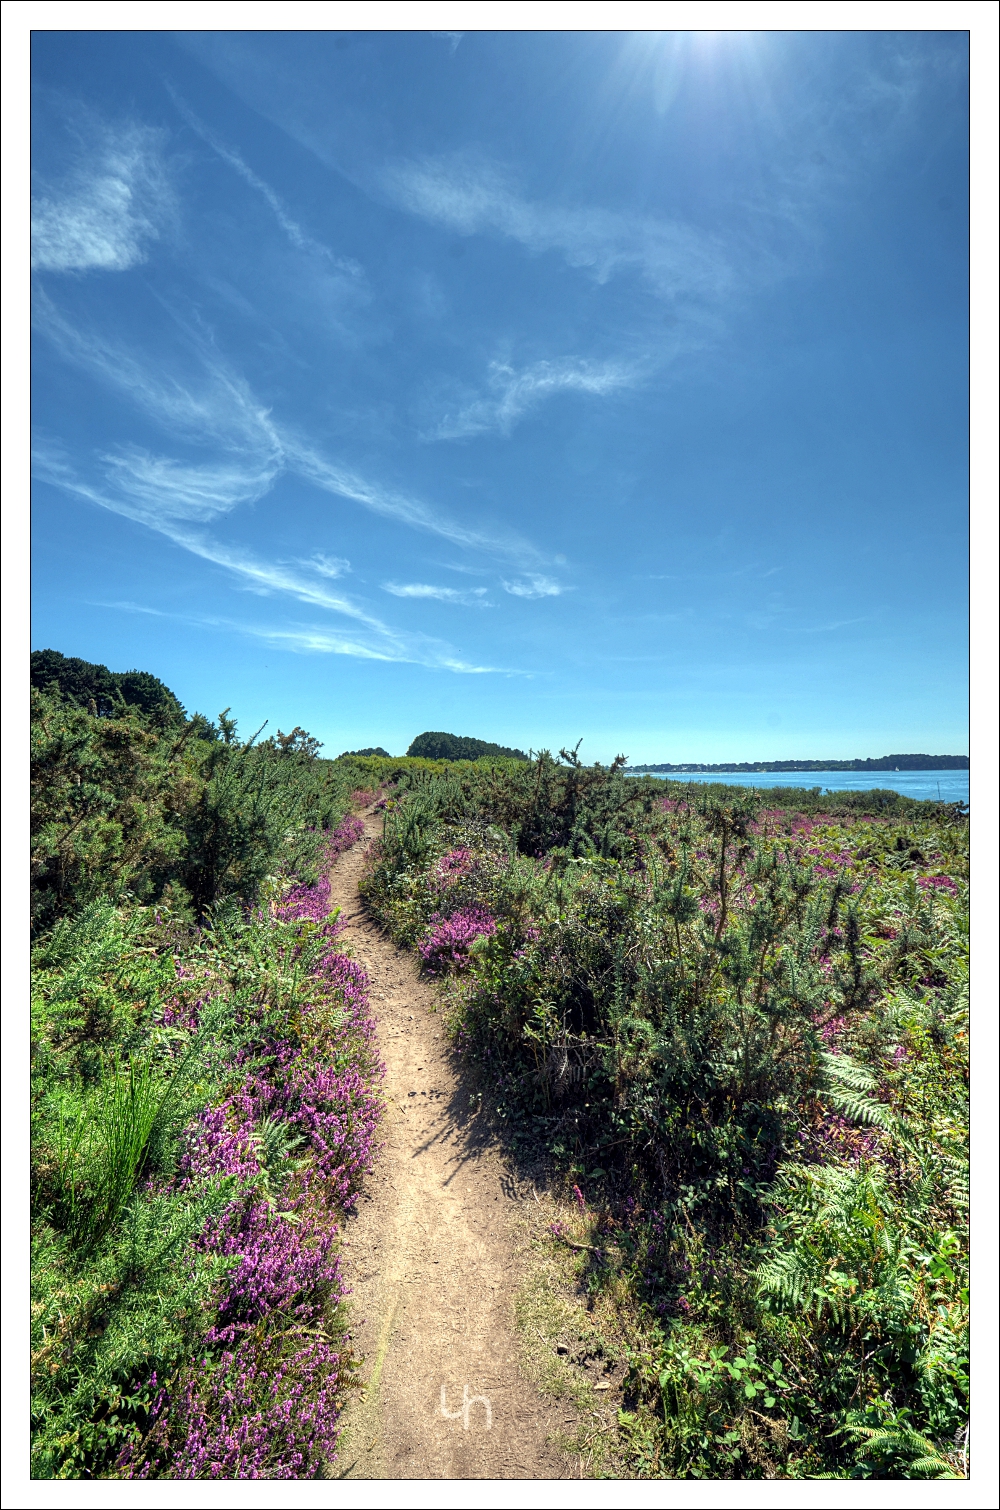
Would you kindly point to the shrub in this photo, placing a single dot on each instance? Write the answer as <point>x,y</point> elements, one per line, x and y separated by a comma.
<point>457,747</point>
<point>448,943</point>
<point>124,805</point>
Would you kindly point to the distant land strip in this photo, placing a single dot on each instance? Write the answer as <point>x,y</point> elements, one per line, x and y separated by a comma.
<point>883,763</point>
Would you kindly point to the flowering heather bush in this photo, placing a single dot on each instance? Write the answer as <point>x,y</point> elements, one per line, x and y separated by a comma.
<point>281,1266</point>
<point>225,1426</point>
<point>830,1031</point>
<point>448,942</point>
<point>260,1411</point>
<point>453,867</point>
<point>314,901</point>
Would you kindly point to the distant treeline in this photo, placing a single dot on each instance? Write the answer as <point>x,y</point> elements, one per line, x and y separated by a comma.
<point>459,747</point>
<point>883,763</point>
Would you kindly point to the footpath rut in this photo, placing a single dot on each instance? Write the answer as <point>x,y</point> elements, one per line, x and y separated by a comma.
<point>434,1257</point>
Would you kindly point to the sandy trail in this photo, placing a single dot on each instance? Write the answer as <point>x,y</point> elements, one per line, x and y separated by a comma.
<point>434,1258</point>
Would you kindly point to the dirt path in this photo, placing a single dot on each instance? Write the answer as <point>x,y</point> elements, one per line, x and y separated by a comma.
<point>434,1259</point>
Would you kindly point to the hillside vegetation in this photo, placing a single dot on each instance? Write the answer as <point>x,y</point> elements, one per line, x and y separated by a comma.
<point>735,1032</point>
<point>738,1034</point>
<point>134,800</point>
<point>100,691</point>
<point>204,1094</point>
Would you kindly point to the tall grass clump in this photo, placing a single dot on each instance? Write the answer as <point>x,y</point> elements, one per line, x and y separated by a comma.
<point>101,1151</point>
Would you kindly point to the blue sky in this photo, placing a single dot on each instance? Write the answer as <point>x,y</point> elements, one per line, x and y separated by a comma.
<point>532,386</point>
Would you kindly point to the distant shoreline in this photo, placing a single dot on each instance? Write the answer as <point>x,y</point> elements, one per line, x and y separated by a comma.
<point>763,767</point>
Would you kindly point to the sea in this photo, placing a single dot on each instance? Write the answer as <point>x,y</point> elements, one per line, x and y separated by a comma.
<point>938,786</point>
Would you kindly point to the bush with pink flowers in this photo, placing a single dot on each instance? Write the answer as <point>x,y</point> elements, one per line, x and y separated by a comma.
<point>449,939</point>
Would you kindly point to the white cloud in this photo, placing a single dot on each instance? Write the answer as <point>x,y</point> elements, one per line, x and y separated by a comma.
<point>327,566</point>
<point>299,238</point>
<point>211,405</point>
<point>514,392</point>
<point>474,598</point>
<point>534,585</point>
<point>836,624</point>
<point>298,638</point>
<point>259,576</point>
<point>320,639</point>
<point>217,407</point>
<point>315,639</point>
<point>334,478</point>
<point>270,576</point>
<point>105,212</point>
<point>160,487</point>
<point>378,642</point>
<point>471,196</point>
<point>128,607</point>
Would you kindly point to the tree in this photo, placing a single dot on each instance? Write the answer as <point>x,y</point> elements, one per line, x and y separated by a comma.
<point>299,742</point>
<point>102,692</point>
<point>460,747</point>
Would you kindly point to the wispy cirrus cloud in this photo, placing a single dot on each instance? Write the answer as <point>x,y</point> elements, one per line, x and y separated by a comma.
<point>211,405</point>
<point>200,400</point>
<point>419,651</point>
<point>534,585</point>
<point>475,597</point>
<point>391,504</point>
<point>261,576</point>
<point>299,238</point>
<point>159,486</point>
<point>377,640</point>
<point>269,577</point>
<point>472,196</point>
<point>514,392</point>
<point>318,639</point>
<point>327,566</point>
<point>834,624</point>
<point>453,37</point>
<point>102,215</point>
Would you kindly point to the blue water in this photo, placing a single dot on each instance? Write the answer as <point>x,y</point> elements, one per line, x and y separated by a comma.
<point>948,786</point>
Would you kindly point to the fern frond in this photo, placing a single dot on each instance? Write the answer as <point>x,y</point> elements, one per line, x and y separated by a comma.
<point>847,1072</point>
<point>904,1440</point>
<point>924,1465</point>
<point>786,1277</point>
<point>848,1088</point>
